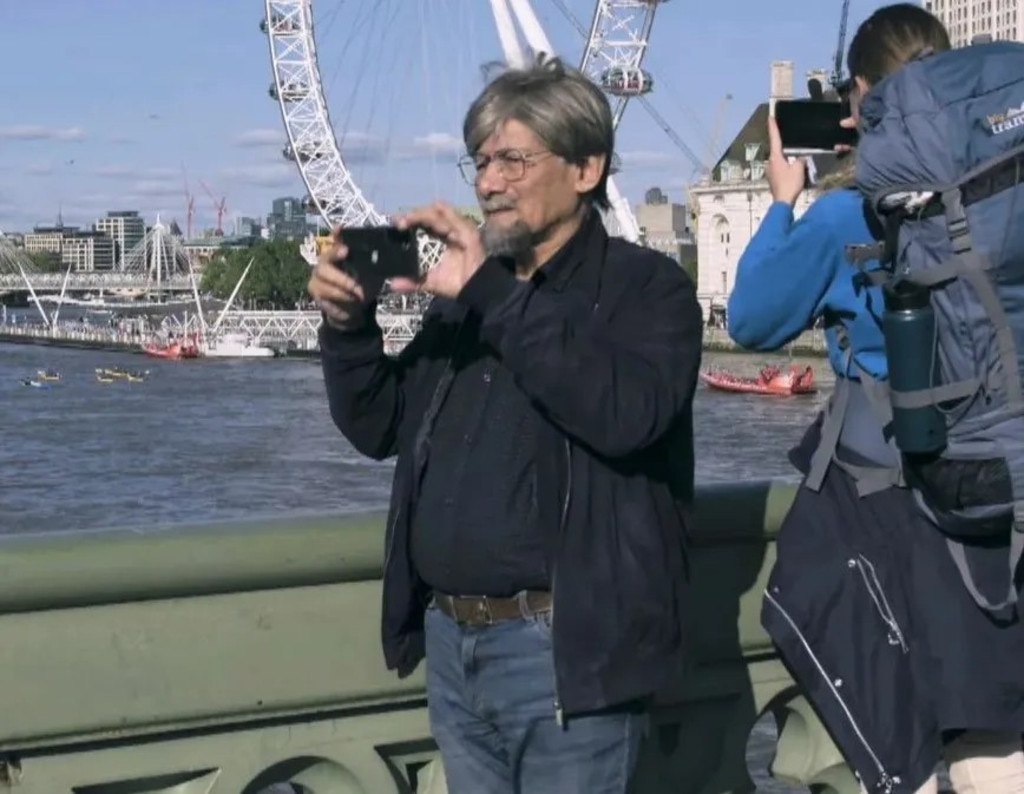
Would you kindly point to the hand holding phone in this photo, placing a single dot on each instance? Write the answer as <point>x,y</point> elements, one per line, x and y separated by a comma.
<point>787,175</point>
<point>380,252</point>
<point>351,271</point>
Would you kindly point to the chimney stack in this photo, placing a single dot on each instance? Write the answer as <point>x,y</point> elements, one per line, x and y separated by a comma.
<point>782,83</point>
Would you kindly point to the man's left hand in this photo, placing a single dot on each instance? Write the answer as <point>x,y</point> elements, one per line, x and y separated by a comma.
<point>463,254</point>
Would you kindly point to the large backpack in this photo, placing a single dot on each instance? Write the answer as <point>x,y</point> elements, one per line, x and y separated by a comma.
<point>941,164</point>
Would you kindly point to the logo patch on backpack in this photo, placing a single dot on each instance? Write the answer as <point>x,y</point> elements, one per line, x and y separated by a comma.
<point>1004,122</point>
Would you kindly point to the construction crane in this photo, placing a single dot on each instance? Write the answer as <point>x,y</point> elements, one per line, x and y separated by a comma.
<point>716,135</point>
<point>680,144</point>
<point>221,207</point>
<point>671,133</point>
<point>190,204</point>
<point>837,64</point>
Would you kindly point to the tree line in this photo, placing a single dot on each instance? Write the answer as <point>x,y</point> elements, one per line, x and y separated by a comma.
<point>276,280</point>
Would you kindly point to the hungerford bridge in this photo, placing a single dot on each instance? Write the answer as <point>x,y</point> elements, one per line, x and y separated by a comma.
<point>158,263</point>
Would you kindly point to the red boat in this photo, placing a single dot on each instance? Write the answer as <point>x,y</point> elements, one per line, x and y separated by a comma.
<point>770,380</point>
<point>175,349</point>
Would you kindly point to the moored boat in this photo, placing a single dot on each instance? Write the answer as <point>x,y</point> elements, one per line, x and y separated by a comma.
<point>234,345</point>
<point>770,380</point>
<point>174,349</point>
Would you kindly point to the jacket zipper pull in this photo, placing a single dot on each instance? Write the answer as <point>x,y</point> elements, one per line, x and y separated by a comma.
<point>559,714</point>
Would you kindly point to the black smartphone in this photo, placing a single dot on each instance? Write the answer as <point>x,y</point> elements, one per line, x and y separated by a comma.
<point>813,126</point>
<point>381,252</point>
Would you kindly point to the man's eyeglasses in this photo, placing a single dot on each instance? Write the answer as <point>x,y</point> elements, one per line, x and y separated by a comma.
<point>512,164</point>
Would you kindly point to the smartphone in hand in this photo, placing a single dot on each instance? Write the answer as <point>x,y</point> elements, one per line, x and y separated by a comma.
<point>808,126</point>
<point>377,253</point>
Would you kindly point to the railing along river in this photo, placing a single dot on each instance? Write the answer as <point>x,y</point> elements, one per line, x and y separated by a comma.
<point>230,658</point>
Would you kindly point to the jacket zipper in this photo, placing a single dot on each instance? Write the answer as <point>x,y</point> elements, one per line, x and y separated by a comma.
<point>887,782</point>
<point>559,713</point>
<point>874,588</point>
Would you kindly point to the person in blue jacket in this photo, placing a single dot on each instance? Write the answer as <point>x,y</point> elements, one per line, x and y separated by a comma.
<point>864,602</point>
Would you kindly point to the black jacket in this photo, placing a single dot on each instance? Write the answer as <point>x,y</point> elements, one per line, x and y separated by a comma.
<point>609,347</point>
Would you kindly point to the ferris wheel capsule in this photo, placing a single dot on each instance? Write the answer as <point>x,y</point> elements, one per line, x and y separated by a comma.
<point>279,23</point>
<point>626,81</point>
<point>301,153</point>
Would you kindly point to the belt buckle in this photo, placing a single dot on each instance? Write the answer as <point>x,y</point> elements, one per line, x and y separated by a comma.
<point>482,608</point>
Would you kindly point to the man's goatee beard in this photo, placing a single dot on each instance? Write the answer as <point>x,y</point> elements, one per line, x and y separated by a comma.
<point>506,241</point>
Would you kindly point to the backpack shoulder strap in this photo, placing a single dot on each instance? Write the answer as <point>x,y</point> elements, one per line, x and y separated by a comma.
<point>1005,609</point>
<point>869,479</point>
<point>875,225</point>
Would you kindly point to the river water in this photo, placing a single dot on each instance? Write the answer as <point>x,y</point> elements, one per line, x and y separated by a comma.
<point>207,440</point>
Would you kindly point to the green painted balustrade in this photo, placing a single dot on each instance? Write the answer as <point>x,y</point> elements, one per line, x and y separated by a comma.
<point>243,658</point>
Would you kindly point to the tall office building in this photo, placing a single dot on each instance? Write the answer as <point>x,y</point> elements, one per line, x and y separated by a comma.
<point>964,19</point>
<point>287,220</point>
<point>126,228</point>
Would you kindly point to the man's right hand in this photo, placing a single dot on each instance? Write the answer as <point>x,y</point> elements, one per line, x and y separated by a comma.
<point>339,295</point>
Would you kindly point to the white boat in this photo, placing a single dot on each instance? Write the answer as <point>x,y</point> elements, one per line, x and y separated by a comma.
<point>234,345</point>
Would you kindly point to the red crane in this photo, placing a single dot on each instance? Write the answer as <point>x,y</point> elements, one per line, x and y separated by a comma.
<point>221,207</point>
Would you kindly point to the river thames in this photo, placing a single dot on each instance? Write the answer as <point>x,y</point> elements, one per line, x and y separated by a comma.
<point>208,440</point>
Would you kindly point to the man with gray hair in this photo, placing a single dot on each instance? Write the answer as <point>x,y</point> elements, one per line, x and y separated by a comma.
<point>542,422</point>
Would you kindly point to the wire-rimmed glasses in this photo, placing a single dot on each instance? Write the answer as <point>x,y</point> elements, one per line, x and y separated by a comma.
<point>512,164</point>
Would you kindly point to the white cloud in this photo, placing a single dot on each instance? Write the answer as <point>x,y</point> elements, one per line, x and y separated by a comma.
<point>365,148</point>
<point>434,143</point>
<point>95,199</point>
<point>260,137</point>
<point>362,147</point>
<point>264,175</point>
<point>647,159</point>
<point>155,187</point>
<point>37,132</point>
<point>39,169</point>
<point>128,172</point>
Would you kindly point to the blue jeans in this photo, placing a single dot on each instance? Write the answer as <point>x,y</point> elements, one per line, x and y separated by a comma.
<point>491,697</point>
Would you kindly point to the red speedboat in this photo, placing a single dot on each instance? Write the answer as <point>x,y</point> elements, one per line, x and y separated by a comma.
<point>175,349</point>
<point>770,380</point>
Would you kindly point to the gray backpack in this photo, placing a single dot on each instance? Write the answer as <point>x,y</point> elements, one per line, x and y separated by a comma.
<point>941,164</point>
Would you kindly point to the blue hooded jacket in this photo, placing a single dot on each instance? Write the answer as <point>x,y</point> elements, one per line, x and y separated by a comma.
<point>794,271</point>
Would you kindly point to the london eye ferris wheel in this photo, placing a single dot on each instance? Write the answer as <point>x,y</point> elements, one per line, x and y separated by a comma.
<point>613,54</point>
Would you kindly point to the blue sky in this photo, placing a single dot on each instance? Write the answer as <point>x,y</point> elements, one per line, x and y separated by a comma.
<point>116,102</point>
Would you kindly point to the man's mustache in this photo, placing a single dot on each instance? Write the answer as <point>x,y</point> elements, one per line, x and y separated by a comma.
<point>494,205</point>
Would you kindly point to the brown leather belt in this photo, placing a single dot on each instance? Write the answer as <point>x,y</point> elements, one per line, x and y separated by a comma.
<point>486,611</point>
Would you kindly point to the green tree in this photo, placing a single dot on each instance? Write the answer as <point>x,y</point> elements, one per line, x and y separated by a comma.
<point>276,280</point>
<point>45,261</point>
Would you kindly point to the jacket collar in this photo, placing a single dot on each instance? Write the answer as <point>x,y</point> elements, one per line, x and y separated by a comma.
<point>587,245</point>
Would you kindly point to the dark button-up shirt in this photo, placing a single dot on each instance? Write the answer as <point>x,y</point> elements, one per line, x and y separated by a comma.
<point>477,529</point>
